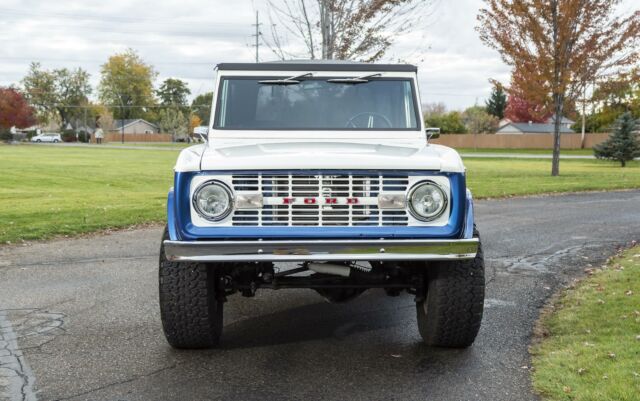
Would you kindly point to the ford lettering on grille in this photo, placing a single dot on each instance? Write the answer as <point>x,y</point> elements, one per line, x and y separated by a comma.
<point>320,200</point>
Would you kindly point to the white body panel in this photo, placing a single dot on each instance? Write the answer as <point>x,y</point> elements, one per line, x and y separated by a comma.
<point>337,150</point>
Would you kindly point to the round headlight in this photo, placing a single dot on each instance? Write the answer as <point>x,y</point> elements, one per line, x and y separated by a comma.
<point>213,201</point>
<point>427,201</point>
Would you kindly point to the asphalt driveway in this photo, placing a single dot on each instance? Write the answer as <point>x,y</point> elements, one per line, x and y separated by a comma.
<point>79,319</point>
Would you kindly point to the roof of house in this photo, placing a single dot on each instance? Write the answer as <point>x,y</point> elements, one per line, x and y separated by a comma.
<point>317,65</point>
<point>564,120</point>
<point>537,128</point>
<point>118,124</point>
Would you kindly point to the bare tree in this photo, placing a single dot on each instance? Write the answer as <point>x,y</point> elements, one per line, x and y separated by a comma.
<point>340,29</point>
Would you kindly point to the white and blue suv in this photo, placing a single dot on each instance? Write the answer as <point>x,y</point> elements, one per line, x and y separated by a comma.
<point>319,175</point>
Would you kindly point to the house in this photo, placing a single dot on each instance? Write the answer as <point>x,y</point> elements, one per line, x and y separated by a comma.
<point>565,122</point>
<point>134,126</point>
<point>504,122</point>
<point>533,128</point>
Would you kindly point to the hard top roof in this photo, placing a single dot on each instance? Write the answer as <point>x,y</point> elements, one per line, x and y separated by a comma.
<point>316,65</point>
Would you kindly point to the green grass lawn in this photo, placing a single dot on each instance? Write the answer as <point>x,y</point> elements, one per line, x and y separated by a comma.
<point>48,191</point>
<point>591,351</point>
<point>507,177</point>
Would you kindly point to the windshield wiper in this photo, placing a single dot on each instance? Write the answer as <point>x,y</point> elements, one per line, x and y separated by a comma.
<point>356,80</point>
<point>286,81</point>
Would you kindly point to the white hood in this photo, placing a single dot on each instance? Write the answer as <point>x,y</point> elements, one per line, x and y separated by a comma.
<point>325,155</point>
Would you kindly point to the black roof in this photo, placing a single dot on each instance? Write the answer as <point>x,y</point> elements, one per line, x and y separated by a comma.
<point>316,65</point>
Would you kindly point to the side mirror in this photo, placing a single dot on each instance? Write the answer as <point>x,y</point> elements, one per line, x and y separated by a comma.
<point>202,132</point>
<point>432,133</point>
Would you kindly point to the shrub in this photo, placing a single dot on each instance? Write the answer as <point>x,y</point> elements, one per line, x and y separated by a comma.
<point>84,136</point>
<point>69,135</point>
<point>5,135</point>
<point>623,145</point>
<point>31,134</point>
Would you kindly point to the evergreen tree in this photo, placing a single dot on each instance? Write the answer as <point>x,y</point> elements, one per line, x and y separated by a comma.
<point>497,103</point>
<point>623,145</point>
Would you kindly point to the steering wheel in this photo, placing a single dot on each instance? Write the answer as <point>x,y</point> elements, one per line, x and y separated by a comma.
<point>369,122</point>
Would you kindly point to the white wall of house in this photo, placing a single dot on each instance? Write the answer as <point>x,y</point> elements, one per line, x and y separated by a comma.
<point>138,127</point>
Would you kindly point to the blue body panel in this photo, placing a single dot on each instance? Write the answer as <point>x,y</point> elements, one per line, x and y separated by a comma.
<point>181,228</point>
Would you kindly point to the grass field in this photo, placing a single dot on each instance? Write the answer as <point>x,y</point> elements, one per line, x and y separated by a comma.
<point>591,351</point>
<point>48,191</point>
<point>507,177</point>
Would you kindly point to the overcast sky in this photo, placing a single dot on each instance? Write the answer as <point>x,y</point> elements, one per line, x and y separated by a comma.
<point>185,39</point>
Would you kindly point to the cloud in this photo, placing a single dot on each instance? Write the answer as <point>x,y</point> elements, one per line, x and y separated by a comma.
<point>186,39</point>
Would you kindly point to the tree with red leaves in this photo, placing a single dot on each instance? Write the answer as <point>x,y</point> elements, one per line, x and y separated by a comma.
<point>14,110</point>
<point>520,110</point>
<point>563,44</point>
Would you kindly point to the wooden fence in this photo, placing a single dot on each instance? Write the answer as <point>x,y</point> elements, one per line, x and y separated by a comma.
<point>115,137</point>
<point>517,141</point>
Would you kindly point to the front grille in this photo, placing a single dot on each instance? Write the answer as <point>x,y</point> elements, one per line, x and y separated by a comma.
<point>275,187</point>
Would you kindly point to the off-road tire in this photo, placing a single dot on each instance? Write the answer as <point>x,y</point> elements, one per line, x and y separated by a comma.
<point>451,313</point>
<point>190,309</point>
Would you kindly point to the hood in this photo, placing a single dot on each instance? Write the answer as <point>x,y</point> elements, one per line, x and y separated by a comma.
<point>293,155</point>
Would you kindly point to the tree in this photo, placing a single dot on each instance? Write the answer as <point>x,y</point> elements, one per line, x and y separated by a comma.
<point>194,122</point>
<point>62,92</point>
<point>613,96</point>
<point>478,121</point>
<point>40,91</point>
<point>564,44</point>
<point>173,92</point>
<point>173,121</point>
<point>103,118</point>
<point>433,109</point>
<point>126,85</point>
<point>519,110</point>
<point>497,102</point>
<point>201,106</point>
<point>341,29</point>
<point>624,144</point>
<point>72,90</point>
<point>449,123</point>
<point>14,110</point>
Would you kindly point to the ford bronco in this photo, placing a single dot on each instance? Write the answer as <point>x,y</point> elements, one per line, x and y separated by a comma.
<point>319,175</point>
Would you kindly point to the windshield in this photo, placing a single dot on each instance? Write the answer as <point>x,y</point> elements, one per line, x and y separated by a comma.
<point>259,103</point>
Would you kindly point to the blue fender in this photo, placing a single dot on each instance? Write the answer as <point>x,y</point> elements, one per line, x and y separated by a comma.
<point>469,217</point>
<point>171,216</point>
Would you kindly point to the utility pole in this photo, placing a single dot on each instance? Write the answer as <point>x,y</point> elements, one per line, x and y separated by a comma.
<point>584,118</point>
<point>257,36</point>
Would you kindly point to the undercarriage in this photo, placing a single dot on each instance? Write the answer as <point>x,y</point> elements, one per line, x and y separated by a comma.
<point>337,282</point>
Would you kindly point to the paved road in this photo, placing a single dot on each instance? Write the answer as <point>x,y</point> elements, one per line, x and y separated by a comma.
<point>79,320</point>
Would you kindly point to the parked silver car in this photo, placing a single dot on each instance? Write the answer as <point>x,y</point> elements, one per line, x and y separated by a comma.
<point>55,138</point>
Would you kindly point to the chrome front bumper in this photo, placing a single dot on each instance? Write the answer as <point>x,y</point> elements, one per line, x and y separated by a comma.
<point>320,250</point>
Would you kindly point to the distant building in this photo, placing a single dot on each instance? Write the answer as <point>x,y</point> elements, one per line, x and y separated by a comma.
<point>533,128</point>
<point>565,122</point>
<point>134,126</point>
